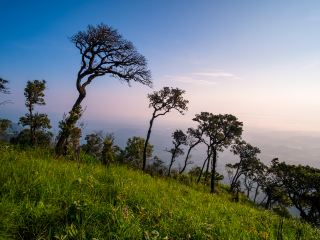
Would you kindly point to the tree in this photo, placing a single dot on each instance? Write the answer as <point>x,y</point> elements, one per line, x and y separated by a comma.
<point>247,164</point>
<point>272,186</point>
<point>94,144</point>
<point>108,150</point>
<point>34,93</point>
<point>5,124</point>
<point>163,102</point>
<point>4,88</point>
<point>157,167</point>
<point>193,139</point>
<point>134,151</point>
<point>220,131</point>
<point>103,51</point>
<point>301,184</point>
<point>179,138</point>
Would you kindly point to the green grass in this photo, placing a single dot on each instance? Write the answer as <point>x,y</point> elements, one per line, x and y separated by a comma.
<point>46,198</point>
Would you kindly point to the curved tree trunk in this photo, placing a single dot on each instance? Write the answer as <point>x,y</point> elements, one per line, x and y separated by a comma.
<point>61,146</point>
<point>187,156</point>
<point>200,175</point>
<point>207,169</point>
<point>146,143</point>
<point>235,178</point>
<point>171,162</point>
<point>256,193</point>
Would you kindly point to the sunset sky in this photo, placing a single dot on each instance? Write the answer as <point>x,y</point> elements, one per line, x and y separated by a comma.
<point>258,60</point>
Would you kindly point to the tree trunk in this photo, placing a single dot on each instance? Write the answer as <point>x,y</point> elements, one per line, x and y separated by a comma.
<point>204,163</point>
<point>235,178</point>
<point>146,143</point>
<point>256,193</point>
<point>213,170</point>
<point>61,147</point>
<point>209,154</point>
<point>32,128</point>
<point>172,159</point>
<point>187,156</point>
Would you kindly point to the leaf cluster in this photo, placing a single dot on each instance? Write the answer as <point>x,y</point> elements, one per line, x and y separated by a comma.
<point>167,99</point>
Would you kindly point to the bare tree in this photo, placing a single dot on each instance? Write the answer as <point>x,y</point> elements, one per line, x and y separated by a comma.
<point>103,51</point>
<point>163,102</point>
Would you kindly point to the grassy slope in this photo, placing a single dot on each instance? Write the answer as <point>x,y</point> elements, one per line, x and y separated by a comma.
<point>43,198</point>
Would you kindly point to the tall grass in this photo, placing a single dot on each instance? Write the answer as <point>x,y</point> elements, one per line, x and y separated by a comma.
<point>46,198</point>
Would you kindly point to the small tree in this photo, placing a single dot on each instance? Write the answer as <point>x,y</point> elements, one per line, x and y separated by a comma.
<point>220,131</point>
<point>179,139</point>
<point>4,88</point>
<point>272,186</point>
<point>134,151</point>
<point>108,150</point>
<point>247,164</point>
<point>103,51</point>
<point>163,102</point>
<point>193,139</point>
<point>157,167</point>
<point>34,93</point>
<point>94,144</point>
<point>5,124</point>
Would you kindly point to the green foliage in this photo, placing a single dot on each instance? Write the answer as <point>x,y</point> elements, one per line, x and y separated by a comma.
<point>156,167</point>
<point>108,151</point>
<point>37,122</point>
<point>168,99</point>
<point>301,185</point>
<point>45,198</point>
<point>134,151</point>
<point>220,131</point>
<point>72,133</point>
<point>34,93</point>
<point>94,144</point>
<point>4,125</point>
<point>44,138</point>
<point>179,139</point>
<point>250,167</point>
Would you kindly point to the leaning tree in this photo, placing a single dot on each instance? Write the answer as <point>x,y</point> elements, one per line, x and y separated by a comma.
<point>194,137</point>
<point>179,139</point>
<point>219,131</point>
<point>103,51</point>
<point>163,102</point>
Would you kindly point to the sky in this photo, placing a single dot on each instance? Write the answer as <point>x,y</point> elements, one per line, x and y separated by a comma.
<point>258,60</point>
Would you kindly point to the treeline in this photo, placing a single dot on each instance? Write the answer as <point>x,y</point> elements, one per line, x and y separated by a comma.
<point>104,51</point>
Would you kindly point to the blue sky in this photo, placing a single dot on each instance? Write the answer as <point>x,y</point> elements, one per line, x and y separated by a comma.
<point>259,60</point>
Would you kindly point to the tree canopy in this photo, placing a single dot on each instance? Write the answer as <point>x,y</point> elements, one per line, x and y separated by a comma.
<point>219,132</point>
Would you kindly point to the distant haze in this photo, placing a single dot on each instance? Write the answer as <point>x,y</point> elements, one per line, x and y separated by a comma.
<point>258,60</point>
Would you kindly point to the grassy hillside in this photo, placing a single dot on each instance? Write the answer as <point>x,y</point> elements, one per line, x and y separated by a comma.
<point>46,198</point>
